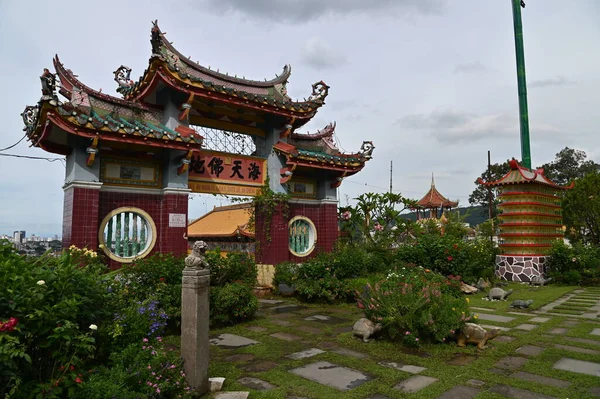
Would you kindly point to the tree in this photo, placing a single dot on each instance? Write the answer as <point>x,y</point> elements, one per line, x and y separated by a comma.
<point>581,210</point>
<point>480,196</point>
<point>569,165</point>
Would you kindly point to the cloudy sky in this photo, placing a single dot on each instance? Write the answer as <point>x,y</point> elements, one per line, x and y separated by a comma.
<point>431,82</point>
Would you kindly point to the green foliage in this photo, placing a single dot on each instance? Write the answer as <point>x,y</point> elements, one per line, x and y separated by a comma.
<point>449,255</point>
<point>285,273</point>
<point>568,165</point>
<point>481,194</point>
<point>231,303</point>
<point>375,219</point>
<point>581,210</point>
<point>142,370</point>
<point>157,277</point>
<point>233,267</point>
<point>317,280</point>
<point>58,303</point>
<point>416,305</point>
<point>576,265</point>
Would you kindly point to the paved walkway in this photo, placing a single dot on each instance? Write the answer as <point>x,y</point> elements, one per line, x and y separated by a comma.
<point>309,336</point>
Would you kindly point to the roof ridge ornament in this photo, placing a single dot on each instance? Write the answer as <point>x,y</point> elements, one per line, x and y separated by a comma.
<point>122,77</point>
<point>366,149</point>
<point>48,80</point>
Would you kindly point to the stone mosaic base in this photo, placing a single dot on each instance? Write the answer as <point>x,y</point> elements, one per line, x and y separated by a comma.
<point>520,268</point>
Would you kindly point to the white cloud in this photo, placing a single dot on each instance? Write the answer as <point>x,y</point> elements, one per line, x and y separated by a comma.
<point>320,55</point>
<point>556,81</point>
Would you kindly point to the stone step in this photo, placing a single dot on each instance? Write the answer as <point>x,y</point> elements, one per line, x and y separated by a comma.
<point>578,366</point>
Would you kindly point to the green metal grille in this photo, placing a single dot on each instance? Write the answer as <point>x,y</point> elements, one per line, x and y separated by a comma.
<point>299,236</point>
<point>126,234</point>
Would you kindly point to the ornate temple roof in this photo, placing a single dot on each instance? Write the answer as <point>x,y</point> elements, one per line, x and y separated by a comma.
<point>318,151</point>
<point>223,222</point>
<point>434,199</point>
<point>171,67</point>
<point>92,114</point>
<point>521,175</point>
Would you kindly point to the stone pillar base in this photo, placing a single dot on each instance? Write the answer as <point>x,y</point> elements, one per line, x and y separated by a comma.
<point>520,268</point>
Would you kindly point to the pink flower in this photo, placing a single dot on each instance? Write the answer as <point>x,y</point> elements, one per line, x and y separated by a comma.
<point>157,390</point>
<point>378,227</point>
<point>407,333</point>
<point>145,339</point>
<point>346,215</point>
<point>450,258</point>
<point>149,367</point>
<point>416,339</point>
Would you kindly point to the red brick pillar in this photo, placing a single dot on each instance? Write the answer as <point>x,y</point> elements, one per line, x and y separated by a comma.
<point>323,214</point>
<point>80,215</point>
<point>172,236</point>
<point>271,246</point>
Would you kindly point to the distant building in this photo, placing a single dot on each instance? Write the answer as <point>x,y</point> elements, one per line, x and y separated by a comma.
<point>434,202</point>
<point>19,236</point>
<point>225,227</point>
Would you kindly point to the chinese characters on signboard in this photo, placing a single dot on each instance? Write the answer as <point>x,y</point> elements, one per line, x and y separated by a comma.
<point>226,173</point>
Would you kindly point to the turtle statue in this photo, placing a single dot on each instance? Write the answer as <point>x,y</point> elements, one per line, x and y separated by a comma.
<point>539,280</point>
<point>521,304</point>
<point>473,333</point>
<point>499,294</point>
<point>365,328</point>
<point>500,284</point>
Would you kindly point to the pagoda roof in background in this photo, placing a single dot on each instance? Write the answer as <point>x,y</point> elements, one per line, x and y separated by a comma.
<point>435,199</point>
<point>223,222</point>
<point>521,175</point>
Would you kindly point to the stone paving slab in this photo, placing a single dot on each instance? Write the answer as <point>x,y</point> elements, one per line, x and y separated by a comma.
<point>287,308</point>
<point>415,383</point>
<point>578,366</point>
<point>482,309</point>
<point>594,391</point>
<point>282,323</point>
<point>461,359</point>
<point>350,352</point>
<point>558,331</point>
<point>269,301</point>
<point>530,350</point>
<point>378,396</point>
<point>490,327</point>
<point>553,382</point>
<point>595,331</point>
<point>476,383</point>
<point>570,323</point>
<point>460,392</point>
<point>309,329</point>
<point>577,349</point>
<point>511,392</point>
<point>326,319</point>
<point>403,367</point>
<point>503,338</point>
<point>232,341</point>
<point>232,395</point>
<point>305,353</point>
<point>526,327</point>
<point>240,357</point>
<point>585,341</point>
<point>257,329</point>
<point>495,317</point>
<point>510,362</point>
<point>259,367</point>
<point>332,375</point>
<point>286,336</point>
<point>256,384</point>
<point>539,319</point>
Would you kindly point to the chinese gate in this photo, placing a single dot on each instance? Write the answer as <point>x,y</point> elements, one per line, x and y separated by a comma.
<point>181,128</point>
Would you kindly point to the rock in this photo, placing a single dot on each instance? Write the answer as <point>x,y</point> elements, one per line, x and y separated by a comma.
<point>482,284</point>
<point>467,289</point>
<point>365,328</point>
<point>473,333</point>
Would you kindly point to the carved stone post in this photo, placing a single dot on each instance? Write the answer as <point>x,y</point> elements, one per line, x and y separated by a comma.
<point>195,317</point>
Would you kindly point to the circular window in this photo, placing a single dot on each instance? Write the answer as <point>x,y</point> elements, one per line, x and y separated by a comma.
<point>127,234</point>
<point>302,236</point>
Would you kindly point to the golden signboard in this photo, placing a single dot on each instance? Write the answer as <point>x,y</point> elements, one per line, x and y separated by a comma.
<point>223,173</point>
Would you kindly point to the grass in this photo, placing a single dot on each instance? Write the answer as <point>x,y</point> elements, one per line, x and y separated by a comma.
<point>274,351</point>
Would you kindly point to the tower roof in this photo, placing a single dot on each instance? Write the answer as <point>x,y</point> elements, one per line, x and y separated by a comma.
<point>434,199</point>
<point>520,175</point>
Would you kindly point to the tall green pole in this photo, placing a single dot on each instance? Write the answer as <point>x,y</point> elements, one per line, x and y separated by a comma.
<point>522,84</point>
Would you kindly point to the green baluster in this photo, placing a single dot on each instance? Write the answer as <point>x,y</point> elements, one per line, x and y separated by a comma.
<point>109,235</point>
<point>118,235</point>
<point>143,233</point>
<point>291,238</point>
<point>134,238</point>
<point>306,229</point>
<point>126,240</point>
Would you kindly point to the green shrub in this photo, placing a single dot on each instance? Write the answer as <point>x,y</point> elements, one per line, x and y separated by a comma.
<point>317,280</point>
<point>415,304</point>
<point>142,370</point>
<point>231,303</point>
<point>234,267</point>
<point>285,273</point>
<point>579,264</point>
<point>61,312</point>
